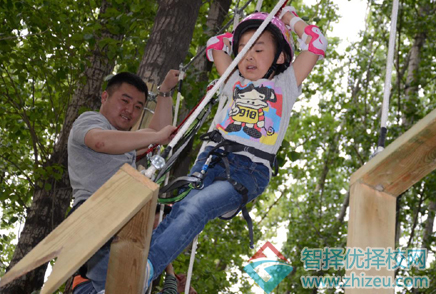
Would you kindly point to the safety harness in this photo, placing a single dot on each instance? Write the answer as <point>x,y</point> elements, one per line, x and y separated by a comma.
<point>218,155</point>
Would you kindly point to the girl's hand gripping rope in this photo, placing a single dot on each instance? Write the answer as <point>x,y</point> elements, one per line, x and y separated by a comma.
<point>290,24</point>
<point>218,43</point>
<point>166,134</point>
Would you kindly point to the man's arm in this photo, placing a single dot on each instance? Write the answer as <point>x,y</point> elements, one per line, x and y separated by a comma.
<point>119,142</point>
<point>163,113</point>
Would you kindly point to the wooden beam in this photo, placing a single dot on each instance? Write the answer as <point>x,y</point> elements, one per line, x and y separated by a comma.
<point>76,239</point>
<point>129,252</point>
<point>404,162</point>
<point>371,224</point>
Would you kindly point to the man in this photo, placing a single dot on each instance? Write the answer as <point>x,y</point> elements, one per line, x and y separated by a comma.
<point>100,143</point>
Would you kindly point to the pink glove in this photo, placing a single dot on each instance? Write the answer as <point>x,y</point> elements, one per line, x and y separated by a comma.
<point>217,43</point>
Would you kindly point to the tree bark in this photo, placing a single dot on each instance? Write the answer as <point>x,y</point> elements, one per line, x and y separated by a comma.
<point>48,208</point>
<point>168,44</point>
<point>428,228</point>
<point>412,79</point>
<point>169,39</point>
<point>217,13</point>
<point>409,116</point>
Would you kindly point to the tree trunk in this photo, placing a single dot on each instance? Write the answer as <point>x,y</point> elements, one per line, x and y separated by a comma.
<point>412,79</point>
<point>428,228</point>
<point>409,116</point>
<point>169,39</point>
<point>217,13</point>
<point>48,208</point>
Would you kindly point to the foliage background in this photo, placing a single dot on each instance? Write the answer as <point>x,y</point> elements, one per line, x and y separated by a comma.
<point>333,130</point>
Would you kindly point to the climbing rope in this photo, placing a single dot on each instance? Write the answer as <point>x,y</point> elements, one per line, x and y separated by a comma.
<point>387,87</point>
<point>223,28</point>
<point>259,5</point>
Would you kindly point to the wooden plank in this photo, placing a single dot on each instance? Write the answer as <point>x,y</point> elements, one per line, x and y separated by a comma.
<point>75,240</point>
<point>371,224</point>
<point>129,252</point>
<point>404,162</point>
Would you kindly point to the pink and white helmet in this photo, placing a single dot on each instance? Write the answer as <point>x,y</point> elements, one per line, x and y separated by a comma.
<point>276,27</point>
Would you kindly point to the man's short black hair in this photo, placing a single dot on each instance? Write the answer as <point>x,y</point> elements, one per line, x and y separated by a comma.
<point>128,78</point>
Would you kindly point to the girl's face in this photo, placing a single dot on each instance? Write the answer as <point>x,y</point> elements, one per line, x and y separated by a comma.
<point>255,64</point>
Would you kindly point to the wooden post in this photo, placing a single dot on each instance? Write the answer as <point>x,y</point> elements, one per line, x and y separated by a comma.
<point>371,224</point>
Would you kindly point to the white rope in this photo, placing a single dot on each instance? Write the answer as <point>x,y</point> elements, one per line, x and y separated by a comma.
<point>191,264</point>
<point>179,95</point>
<point>237,15</point>
<point>389,66</point>
<point>259,5</point>
<point>175,119</point>
<point>390,62</point>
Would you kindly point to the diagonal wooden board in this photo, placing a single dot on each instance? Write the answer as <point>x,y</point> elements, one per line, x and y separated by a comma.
<point>129,252</point>
<point>404,162</point>
<point>75,240</point>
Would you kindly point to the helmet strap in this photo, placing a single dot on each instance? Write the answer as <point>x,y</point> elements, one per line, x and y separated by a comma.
<point>273,66</point>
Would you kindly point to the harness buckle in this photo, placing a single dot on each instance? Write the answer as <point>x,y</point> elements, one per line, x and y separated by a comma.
<point>214,136</point>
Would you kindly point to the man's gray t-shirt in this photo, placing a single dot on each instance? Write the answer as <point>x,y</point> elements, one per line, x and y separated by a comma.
<point>88,169</point>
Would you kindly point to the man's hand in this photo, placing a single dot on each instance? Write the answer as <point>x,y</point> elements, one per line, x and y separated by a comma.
<point>170,80</point>
<point>181,279</point>
<point>165,135</point>
<point>170,270</point>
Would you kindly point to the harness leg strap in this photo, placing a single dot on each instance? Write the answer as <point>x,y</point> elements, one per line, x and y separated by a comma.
<point>249,221</point>
<point>243,191</point>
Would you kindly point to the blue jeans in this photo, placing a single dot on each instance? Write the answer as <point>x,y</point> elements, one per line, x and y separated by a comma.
<point>189,216</point>
<point>96,271</point>
<point>85,288</point>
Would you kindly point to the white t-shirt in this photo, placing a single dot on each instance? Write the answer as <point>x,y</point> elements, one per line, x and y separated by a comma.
<point>257,113</point>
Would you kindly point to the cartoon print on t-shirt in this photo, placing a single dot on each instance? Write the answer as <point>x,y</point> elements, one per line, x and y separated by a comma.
<point>247,111</point>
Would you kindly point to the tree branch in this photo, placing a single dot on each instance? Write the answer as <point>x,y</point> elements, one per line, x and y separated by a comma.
<point>17,167</point>
<point>345,205</point>
<point>415,219</point>
<point>22,111</point>
<point>270,207</point>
